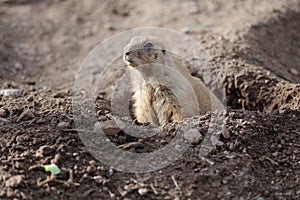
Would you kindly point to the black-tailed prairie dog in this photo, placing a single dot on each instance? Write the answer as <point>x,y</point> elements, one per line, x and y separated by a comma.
<point>163,88</point>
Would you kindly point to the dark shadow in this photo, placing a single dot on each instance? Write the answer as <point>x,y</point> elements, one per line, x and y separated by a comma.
<point>275,45</point>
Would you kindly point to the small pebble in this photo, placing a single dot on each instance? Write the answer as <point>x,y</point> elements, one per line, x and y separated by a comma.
<point>4,120</point>
<point>26,115</point>
<point>19,139</point>
<point>18,165</point>
<point>41,121</point>
<point>193,135</point>
<point>142,191</point>
<point>75,154</point>
<point>89,169</point>
<point>92,163</point>
<point>11,92</point>
<point>3,112</point>
<point>294,71</point>
<point>63,125</point>
<point>10,192</point>
<point>109,127</point>
<point>233,146</point>
<point>275,154</point>
<point>225,133</point>
<point>14,181</point>
<point>110,172</point>
<point>18,66</point>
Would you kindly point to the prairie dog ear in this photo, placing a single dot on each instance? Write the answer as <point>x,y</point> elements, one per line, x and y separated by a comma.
<point>147,46</point>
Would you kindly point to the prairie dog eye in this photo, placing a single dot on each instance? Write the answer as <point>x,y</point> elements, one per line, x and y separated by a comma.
<point>148,45</point>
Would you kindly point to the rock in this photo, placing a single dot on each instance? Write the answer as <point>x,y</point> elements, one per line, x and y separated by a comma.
<point>110,172</point>
<point>233,146</point>
<point>225,133</point>
<point>18,66</point>
<point>19,139</point>
<point>10,193</point>
<point>18,165</point>
<point>275,154</point>
<point>11,92</point>
<point>294,71</point>
<point>4,120</point>
<point>143,191</point>
<point>44,151</point>
<point>89,169</point>
<point>102,118</point>
<point>92,163</point>
<point>26,115</point>
<point>41,121</point>
<point>63,125</point>
<point>59,95</point>
<point>193,135</point>
<point>3,112</point>
<point>14,181</point>
<point>109,127</point>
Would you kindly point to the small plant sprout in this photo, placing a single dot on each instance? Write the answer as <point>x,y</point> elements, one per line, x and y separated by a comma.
<point>51,168</point>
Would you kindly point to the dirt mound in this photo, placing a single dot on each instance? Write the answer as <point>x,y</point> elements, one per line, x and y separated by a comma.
<point>275,45</point>
<point>257,155</point>
<point>254,57</point>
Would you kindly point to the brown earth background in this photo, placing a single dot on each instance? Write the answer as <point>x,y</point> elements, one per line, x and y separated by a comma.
<point>254,45</point>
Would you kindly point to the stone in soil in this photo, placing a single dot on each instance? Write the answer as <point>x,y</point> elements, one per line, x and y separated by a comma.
<point>14,181</point>
<point>26,115</point>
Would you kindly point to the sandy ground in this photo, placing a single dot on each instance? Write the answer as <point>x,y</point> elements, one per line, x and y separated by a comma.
<point>43,44</point>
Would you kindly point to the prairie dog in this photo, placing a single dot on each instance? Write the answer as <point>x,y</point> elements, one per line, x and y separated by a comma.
<point>163,88</point>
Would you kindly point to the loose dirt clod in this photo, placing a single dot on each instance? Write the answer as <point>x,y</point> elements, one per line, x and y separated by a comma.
<point>44,151</point>
<point>193,135</point>
<point>64,125</point>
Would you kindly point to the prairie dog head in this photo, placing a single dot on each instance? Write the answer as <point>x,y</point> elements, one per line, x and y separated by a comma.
<point>144,50</point>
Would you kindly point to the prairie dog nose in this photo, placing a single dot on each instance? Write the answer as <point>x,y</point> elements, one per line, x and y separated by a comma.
<point>127,56</point>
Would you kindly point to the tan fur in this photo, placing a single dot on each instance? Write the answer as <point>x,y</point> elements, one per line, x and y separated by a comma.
<point>162,94</point>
